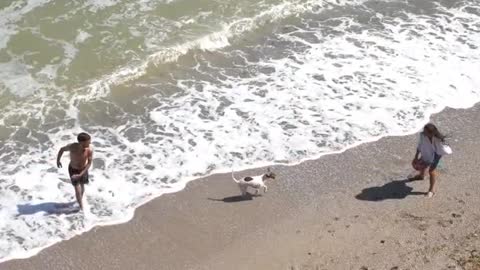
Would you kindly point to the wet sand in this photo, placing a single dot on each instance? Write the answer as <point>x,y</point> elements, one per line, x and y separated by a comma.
<point>353,210</point>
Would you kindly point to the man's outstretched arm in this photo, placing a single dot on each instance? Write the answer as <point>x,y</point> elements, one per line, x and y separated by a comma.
<point>66,148</point>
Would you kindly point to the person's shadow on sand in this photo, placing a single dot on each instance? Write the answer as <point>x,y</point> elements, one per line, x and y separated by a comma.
<point>49,208</point>
<point>232,199</point>
<point>396,189</point>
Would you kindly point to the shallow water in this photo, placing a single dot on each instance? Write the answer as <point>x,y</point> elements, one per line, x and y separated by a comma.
<point>171,90</point>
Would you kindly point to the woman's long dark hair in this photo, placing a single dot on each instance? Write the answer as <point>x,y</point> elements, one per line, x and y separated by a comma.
<point>434,131</point>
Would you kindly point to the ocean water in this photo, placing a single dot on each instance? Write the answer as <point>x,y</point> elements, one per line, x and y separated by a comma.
<point>171,90</point>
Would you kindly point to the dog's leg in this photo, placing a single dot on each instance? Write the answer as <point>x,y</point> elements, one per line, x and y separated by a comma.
<point>265,189</point>
<point>243,189</point>
<point>257,190</point>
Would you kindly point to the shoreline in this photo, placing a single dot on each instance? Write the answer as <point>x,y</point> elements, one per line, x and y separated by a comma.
<point>294,196</point>
<point>35,251</point>
<point>186,182</point>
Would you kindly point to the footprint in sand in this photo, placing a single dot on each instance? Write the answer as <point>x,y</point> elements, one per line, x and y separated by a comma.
<point>417,222</point>
<point>445,223</point>
<point>455,215</point>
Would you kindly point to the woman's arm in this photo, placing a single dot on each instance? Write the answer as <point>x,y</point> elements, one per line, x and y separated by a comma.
<point>417,153</point>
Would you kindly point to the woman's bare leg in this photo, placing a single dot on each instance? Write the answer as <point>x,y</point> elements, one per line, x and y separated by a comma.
<point>433,179</point>
<point>419,176</point>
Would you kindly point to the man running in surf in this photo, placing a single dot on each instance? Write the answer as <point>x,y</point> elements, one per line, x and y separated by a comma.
<point>80,161</point>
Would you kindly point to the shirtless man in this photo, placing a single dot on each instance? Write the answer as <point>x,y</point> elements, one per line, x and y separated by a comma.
<point>80,161</point>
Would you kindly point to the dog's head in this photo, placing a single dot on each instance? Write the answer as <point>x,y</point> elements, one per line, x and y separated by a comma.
<point>270,174</point>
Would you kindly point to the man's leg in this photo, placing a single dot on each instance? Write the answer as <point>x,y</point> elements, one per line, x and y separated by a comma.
<point>84,181</point>
<point>79,194</point>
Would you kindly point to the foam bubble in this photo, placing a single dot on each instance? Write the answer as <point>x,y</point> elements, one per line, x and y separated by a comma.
<point>82,36</point>
<point>17,79</point>
<point>96,5</point>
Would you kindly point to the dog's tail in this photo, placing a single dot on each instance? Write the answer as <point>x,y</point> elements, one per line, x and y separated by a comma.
<point>234,179</point>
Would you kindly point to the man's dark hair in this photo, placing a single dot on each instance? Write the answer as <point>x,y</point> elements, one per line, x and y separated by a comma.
<point>83,137</point>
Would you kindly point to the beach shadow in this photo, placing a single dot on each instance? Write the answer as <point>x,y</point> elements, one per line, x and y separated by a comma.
<point>396,189</point>
<point>233,199</point>
<point>49,208</point>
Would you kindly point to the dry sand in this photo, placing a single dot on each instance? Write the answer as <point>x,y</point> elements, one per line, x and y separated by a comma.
<point>352,210</point>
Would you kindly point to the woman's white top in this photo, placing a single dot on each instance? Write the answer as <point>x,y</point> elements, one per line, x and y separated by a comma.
<point>428,148</point>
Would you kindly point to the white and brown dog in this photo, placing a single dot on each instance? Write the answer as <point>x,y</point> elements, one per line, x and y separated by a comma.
<point>255,182</point>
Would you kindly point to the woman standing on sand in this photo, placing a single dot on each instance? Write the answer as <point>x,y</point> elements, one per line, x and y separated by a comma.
<point>430,150</point>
